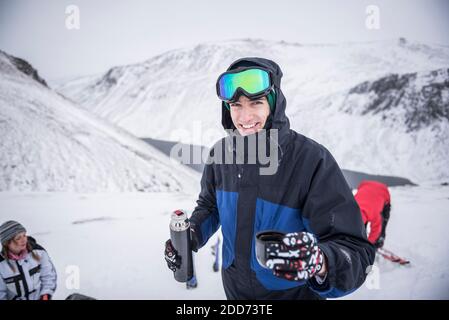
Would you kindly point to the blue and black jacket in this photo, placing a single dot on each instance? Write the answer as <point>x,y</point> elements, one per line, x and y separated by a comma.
<point>307,193</point>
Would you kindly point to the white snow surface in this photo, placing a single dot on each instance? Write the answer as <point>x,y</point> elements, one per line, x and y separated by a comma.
<point>50,144</point>
<point>116,242</point>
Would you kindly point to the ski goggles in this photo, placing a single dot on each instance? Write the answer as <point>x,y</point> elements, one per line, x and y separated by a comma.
<point>251,81</point>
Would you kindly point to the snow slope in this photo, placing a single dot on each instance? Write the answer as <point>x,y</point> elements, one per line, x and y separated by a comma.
<point>396,125</point>
<point>117,240</point>
<point>50,144</point>
<point>172,97</point>
<point>417,230</point>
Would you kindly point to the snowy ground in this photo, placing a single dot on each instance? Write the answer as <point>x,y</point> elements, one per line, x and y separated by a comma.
<point>418,231</point>
<point>117,240</point>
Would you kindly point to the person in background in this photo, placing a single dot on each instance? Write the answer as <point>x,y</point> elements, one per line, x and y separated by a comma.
<point>26,271</point>
<point>374,201</point>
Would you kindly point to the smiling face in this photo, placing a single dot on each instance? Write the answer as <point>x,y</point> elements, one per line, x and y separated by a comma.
<point>249,116</point>
<point>18,243</point>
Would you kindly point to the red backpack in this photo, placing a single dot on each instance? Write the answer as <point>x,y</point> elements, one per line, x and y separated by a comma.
<point>374,201</point>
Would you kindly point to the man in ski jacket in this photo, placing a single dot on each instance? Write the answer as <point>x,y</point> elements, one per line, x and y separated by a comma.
<point>374,201</point>
<point>325,251</point>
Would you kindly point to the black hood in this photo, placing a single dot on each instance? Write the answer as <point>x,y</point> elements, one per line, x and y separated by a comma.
<point>278,119</point>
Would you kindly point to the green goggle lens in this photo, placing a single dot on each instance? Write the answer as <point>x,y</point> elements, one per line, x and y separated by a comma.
<point>253,81</point>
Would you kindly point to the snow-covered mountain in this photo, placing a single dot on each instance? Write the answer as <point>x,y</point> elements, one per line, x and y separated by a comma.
<point>418,99</point>
<point>172,95</point>
<point>398,123</point>
<point>50,144</point>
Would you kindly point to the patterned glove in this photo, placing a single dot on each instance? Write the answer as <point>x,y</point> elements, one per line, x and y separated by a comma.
<point>296,258</point>
<point>171,256</point>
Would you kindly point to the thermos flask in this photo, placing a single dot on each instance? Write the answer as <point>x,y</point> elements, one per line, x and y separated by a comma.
<point>180,238</point>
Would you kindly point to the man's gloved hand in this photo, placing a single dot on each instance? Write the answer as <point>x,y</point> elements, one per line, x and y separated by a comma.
<point>171,256</point>
<point>296,258</point>
<point>379,242</point>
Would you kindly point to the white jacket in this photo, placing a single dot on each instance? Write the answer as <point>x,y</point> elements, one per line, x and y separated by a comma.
<point>31,279</point>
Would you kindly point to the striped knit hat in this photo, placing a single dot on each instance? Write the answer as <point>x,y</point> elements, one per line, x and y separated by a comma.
<point>9,230</point>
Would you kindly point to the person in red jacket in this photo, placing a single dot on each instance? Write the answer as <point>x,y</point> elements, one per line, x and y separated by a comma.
<point>374,201</point>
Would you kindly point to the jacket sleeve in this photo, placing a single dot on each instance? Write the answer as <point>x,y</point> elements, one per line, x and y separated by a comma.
<point>48,275</point>
<point>375,228</point>
<point>332,214</point>
<point>205,220</point>
<point>3,289</point>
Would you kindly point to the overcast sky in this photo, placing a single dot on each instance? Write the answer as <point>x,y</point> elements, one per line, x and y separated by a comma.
<point>121,32</point>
